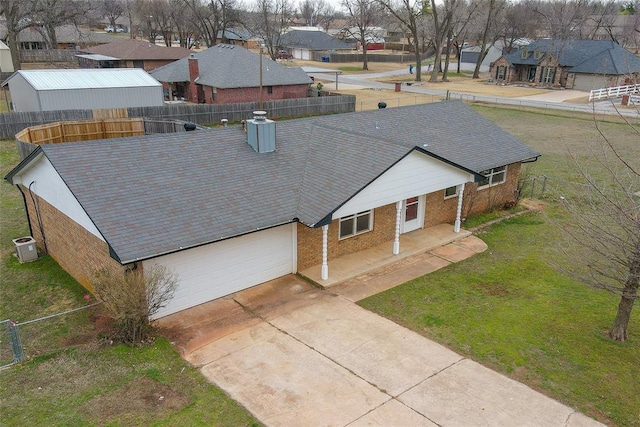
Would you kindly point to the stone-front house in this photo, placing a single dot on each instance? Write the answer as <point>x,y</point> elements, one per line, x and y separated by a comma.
<point>226,74</point>
<point>572,64</point>
<point>229,208</point>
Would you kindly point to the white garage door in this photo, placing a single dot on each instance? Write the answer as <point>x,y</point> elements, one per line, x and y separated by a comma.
<point>213,271</point>
<point>589,82</point>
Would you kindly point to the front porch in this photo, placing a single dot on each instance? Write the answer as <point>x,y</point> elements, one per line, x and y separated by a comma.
<point>413,243</point>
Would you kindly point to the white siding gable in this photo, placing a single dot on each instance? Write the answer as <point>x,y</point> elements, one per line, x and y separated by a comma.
<point>49,185</point>
<point>414,175</point>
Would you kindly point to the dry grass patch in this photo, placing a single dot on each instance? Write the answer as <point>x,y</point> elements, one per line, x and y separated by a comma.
<point>143,395</point>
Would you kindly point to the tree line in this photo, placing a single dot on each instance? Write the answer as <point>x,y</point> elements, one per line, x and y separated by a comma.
<point>425,24</point>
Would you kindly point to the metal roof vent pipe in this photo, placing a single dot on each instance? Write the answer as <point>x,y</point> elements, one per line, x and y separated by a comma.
<point>261,133</point>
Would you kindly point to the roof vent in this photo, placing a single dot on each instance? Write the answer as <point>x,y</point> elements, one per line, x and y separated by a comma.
<point>261,133</point>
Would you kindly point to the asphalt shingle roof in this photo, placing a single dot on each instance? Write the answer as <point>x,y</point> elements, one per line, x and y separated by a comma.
<point>583,56</point>
<point>156,194</point>
<point>133,49</point>
<point>227,66</point>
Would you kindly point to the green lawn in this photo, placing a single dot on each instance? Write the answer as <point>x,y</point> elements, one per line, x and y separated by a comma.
<point>509,308</point>
<point>70,377</point>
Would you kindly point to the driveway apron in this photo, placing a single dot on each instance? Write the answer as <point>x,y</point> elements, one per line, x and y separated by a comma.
<point>295,355</point>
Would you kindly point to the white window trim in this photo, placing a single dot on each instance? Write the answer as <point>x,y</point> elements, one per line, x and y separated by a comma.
<point>452,195</point>
<point>355,220</point>
<point>491,173</point>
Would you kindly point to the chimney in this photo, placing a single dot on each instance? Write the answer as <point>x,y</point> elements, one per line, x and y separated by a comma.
<point>194,74</point>
<point>261,133</point>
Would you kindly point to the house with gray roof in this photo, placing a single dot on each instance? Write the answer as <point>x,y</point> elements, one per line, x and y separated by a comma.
<point>233,207</point>
<point>130,53</point>
<point>304,43</point>
<point>226,73</point>
<point>572,64</point>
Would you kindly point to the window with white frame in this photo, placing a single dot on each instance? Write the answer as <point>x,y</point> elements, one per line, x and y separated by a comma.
<point>501,72</point>
<point>451,192</point>
<point>356,224</point>
<point>493,177</point>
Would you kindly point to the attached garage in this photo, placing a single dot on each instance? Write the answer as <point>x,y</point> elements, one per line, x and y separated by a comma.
<point>213,271</point>
<point>590,82</point>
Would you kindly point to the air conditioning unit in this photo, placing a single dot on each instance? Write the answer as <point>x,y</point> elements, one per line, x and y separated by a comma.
<point>26,249</point>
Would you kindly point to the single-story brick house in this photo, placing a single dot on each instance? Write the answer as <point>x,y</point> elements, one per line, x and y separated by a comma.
<point>225,74</point>
<point>572,64</point>
<point>229,208</point>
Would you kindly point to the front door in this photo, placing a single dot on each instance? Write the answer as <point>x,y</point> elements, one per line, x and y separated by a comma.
<point>413,214</point>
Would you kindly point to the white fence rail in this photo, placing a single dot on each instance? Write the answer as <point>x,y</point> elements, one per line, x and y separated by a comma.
<point>614,92</point>
<point>634,99</point>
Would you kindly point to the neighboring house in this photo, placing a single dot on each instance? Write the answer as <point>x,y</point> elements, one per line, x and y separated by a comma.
<point>469,55</point>
<point>6,63</point>
<point>130,53</point>
<point>302,43</point>
<point>226,74</point>
<point>572,64</point>
<point>73,89</point>
<point>228,209</point>
<point>238,37</point>
<point>67,36</point>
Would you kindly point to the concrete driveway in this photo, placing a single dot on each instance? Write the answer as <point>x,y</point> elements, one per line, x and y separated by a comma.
<point>296,355</point>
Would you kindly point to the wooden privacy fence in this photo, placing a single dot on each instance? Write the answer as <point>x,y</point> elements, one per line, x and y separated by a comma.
<point>81,130</point>
<point>28,139</point>
<point>12,123</point>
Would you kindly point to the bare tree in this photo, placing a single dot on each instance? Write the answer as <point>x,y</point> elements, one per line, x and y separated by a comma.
<point>112,10</point>
<point>517,21</point>
<point>18,17</point>
<point>213,17</point>
<point>272,17</point>
<point>50,14</point>
<point>605,226</point>
<point>315,13</point>
<point>408,13</point>
<point>562,19</point>
<point>362,16</point>
<point>493,8</point>
<point>133,298</point>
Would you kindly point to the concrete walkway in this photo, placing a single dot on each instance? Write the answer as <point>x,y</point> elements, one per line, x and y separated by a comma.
<point>297,355</point>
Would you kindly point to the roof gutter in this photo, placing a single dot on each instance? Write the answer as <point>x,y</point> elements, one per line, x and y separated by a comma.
<point>115,256</point>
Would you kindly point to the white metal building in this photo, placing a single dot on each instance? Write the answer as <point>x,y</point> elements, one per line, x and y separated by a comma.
<point>6,64</point>
<point>83,89</point>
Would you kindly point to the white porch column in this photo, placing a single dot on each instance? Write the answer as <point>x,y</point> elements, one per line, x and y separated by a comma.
<point>456,226</point>
<point>396,240</point>
<point>325,266</point>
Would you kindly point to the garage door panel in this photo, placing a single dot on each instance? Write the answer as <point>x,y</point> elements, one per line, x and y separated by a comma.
<point>213,271</point>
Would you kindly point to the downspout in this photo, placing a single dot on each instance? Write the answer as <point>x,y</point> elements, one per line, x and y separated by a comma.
<point>37,209</point>
<point>24,200</point>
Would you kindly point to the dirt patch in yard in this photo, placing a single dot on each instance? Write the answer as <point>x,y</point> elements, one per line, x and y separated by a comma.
<point>139,396</point>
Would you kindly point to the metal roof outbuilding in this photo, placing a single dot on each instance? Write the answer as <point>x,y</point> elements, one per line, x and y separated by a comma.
<point>71,89</point>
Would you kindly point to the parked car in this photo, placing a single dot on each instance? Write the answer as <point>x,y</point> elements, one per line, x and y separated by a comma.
<point>110,29</point>
<point>283,54</point>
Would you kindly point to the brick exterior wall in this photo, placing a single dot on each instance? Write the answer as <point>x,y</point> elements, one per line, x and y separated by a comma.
<point>310,239</point>
<point>437,211</point>
<point>77,251</point>
<point>252,94</point>
<point>242,94</point>
<point>474,201</point>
